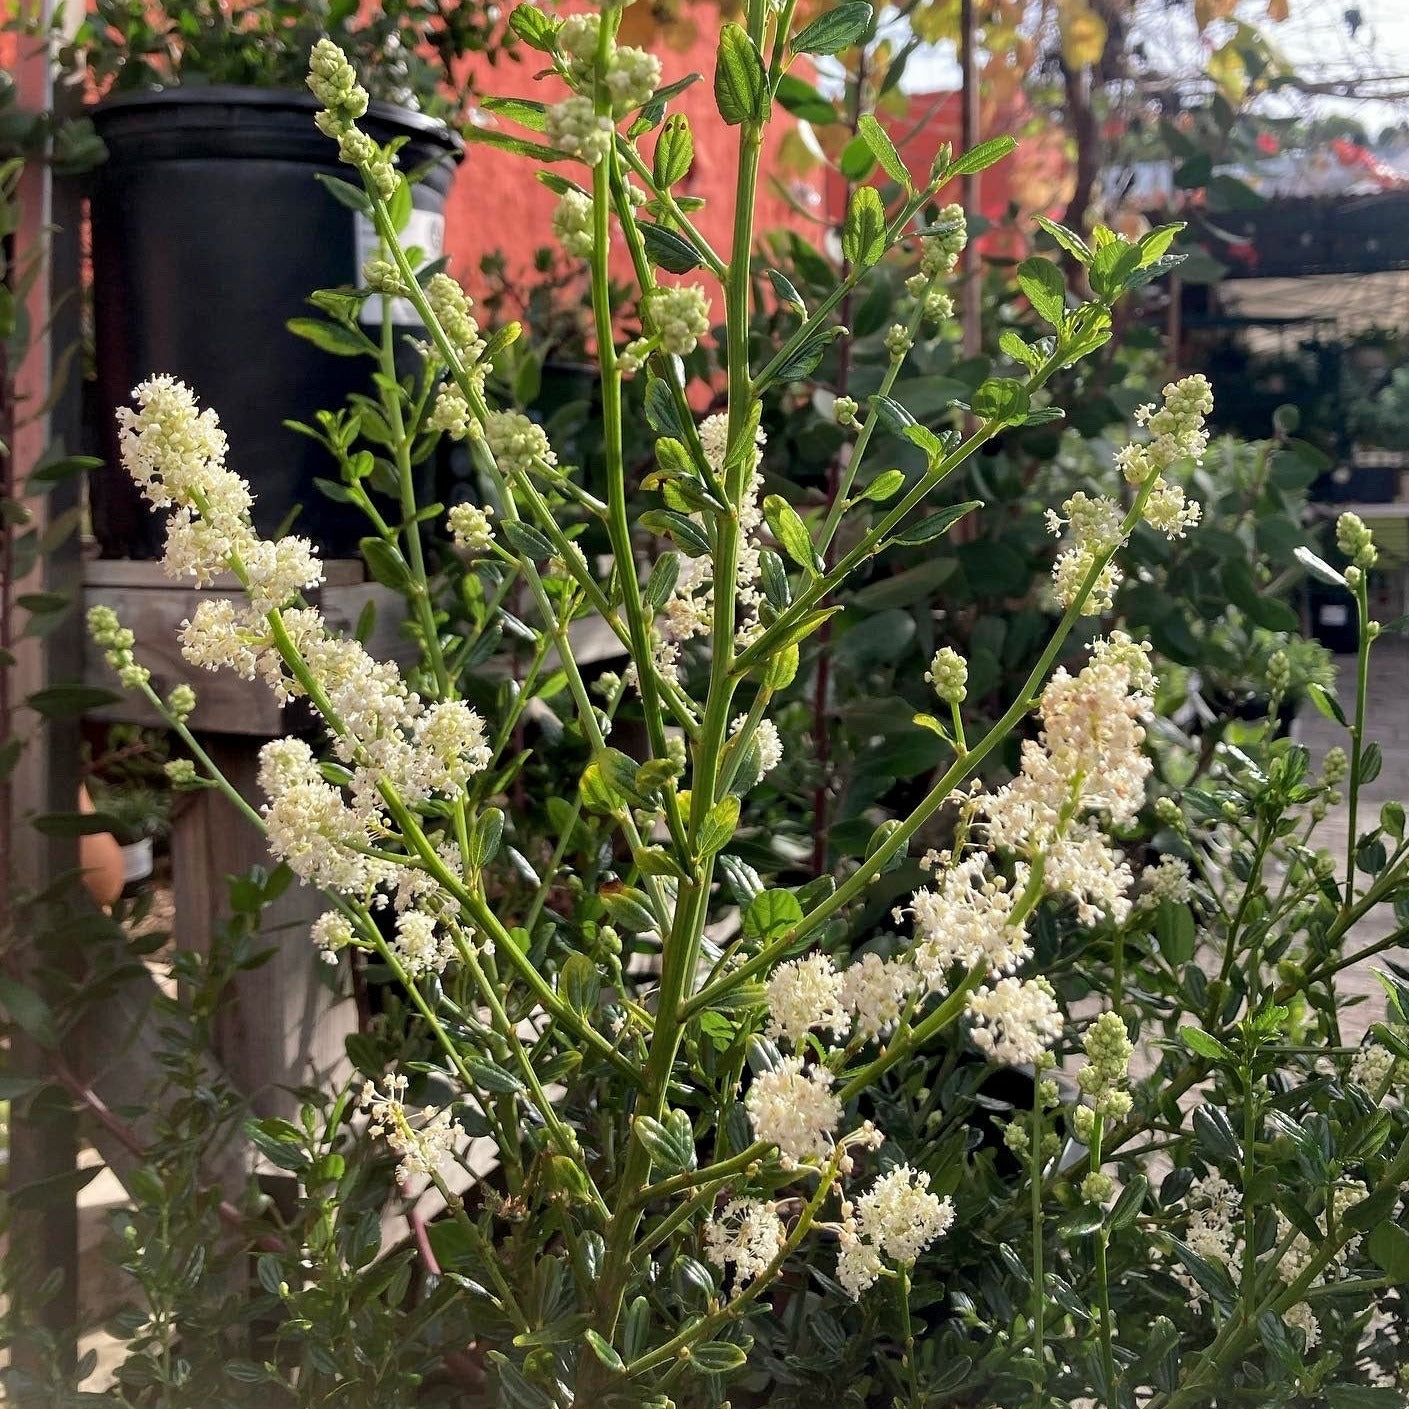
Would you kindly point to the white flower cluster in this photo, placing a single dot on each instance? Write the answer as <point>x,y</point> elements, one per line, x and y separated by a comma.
<point>688,612</point>
<point>470,528</point>
<point>1213,1227</point>
<point>175,453</point>
<point>421,1148</point>
<point>680,317</point>
<point>939,254</point>
<point>766,739</point>
<point>1376,1070</point>
<point>894,1221</point>
<point>1096,525</point>
<point>810,994</point>
<point>572,222</point>
<point>519,445</point>
<point>451,305</point>
<point>1168,879</point>
<point>745,1234</point>
<point>574,126</point>
<point>949,674</point>
<point>794,1109</point>
<point>381,731</point>
<point>631,74</point>
<point>332,933</point>
<point>1301,1250</point>
<point>1014,1021</point>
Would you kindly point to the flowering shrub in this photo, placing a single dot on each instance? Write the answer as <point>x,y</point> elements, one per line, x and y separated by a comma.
<point>699,1085</point>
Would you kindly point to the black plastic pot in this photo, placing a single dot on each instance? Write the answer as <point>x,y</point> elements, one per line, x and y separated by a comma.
<point>209,233</point>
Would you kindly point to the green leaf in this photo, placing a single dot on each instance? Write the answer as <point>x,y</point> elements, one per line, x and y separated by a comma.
<point>28,1011</point>
<point>1205,1044</point>
<point>526,540</point>
<point>602,1349</point>
<point>931,527</point>
<point>1343,1396</point>
<point>836,30</point>
<point>507,142</point>
<point>385,563</point>
<point>740,82</point>
<point>1001,399</point>
<point>804,102</point>
<point>863,238</point>
<point>1327,704</point>
<point>886,485</point>
<point>857,160</point>
<point>771,914</point>
<point>774,576</point>
<point>535,28</point>
<point>524,111</point>
<point>675,152</point>
<point>1045,288</point>
<point>883,149</point>
<point>332,337</point>
<point>1371,761</point>
<point>671,252</point>
<point>490,1076</point>
<point>345,193</point>
<point>785,525</point>
<point>1319,568</point>
<point>1176,932</point>
<point>1126,1208</point>
<point>806,355</point>
<point>1069,240</point>
<point>1388,1246</point>
<point>485,838</point>
<point>670,1143</point>
<point>980,158</point>
<point>69,701</point>
<point>1214,1134</point>
<point>689,536</point>
<point>720,824</point>
<point>73,824</point>
<point>661,582</point>
<point>719,1357</point>
<point>784,288</point>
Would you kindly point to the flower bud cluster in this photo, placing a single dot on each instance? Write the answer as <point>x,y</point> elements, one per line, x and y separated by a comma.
<point>949,674</point>
<point>117,642</point>
<point>572,222</point>
<point>1354,539</point>
<point>333,82</point>
<point>630,75</point>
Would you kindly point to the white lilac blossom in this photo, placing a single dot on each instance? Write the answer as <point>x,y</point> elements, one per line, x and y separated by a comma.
<point>470,528</point>
<point>422,1146</point>
<point>1014,1021</point>
<point>875,991</point>
<point>795,1110</point>
<point>745,1234</point>
<point>893,1222</point>
<point>804,994</point>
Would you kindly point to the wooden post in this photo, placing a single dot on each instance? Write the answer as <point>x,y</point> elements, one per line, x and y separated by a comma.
<point>43,1139</point>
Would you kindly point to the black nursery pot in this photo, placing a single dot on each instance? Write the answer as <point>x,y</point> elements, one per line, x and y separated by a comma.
<point>209,232</point>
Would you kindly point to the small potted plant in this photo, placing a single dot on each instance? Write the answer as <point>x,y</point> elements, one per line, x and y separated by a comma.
<point>207,216</point>
<point>137,816</point>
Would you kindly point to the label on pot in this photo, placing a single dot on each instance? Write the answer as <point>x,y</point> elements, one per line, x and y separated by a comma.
<point>425,230</point>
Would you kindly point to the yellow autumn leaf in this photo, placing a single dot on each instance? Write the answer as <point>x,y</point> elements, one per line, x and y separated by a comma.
<point>936,20</point>
<point>1229,73</point>
<point>1083,35</point>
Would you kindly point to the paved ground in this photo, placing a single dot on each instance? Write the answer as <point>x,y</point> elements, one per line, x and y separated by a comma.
<point>1386,722</point>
